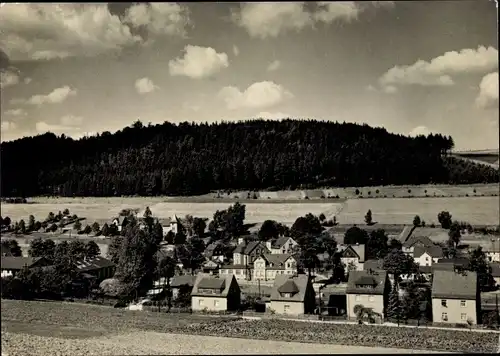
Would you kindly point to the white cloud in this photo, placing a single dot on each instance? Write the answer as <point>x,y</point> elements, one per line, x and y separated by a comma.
<point>438,71</point>
<point>258,95</point>
<point>419,130</point>
<point>145,85</point>
<point>273,66</point>
<point>8,125</point>
<point>390,89</point>
<point>488,91</point>
<point>16,112</point>
<point>8,77</point>
<point>272,115</point>
<point>160,18</point>
<point>263,20</point>
<point>55,97</point>
<point>370,88</point>
<point>236,51</point>
<point>198,62</point>
<point>27,80</point>
<point>50,31</point>
<point>71,120</point>
<point>42,127</point>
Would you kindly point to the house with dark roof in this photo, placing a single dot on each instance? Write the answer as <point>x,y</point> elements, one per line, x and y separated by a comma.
<point>413,241</point>
<point>269,265</point>
<point>98,267</point>
<point>369,289</point>
<point>352,256</point>
<point>455,297</point>
<point>244,256</point>
<point>427,255</point>
<point>293,295</point>
<point>12,265</point>
<point>283,244</point>
<point>214,293</point>
<point>211,267</point>
<point>215,251</point>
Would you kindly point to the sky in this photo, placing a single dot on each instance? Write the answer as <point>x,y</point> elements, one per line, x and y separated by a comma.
<point>412,67</point>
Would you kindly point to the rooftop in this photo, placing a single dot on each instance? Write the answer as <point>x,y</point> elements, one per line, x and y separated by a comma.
<point>359,280</point>
<point>296,284</point>
<point>452,285</point>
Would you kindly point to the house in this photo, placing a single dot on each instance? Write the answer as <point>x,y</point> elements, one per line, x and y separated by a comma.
<point>416,241</point>
<point>352,256</point>
<point>243,257</point>
<point>119,222</point>
<point>211,267</point>
<point>293,295</point>
<point>179,282</point>
<point>214,293</point>
<point>174,225</point>
<point>215,251</point>
<point>455,297</point>
<point>13,265</point>
<point>369,289</point>
<point>268,266</point>
<point>282,244</point>
<point>333,299</point>
<point>427,255</point>
<point>99,267</point>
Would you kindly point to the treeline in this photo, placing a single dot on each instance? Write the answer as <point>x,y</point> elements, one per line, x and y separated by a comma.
<point>189,159</point>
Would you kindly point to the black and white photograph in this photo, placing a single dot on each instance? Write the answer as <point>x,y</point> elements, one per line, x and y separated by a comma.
<point>217,178</point>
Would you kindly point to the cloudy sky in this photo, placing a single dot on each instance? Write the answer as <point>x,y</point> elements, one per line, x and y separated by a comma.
<point>412,67</point>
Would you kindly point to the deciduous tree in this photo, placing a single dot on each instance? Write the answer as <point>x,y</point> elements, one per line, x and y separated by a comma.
<point>444,219</point>
<point>355,235</point>
<point>368,217</point>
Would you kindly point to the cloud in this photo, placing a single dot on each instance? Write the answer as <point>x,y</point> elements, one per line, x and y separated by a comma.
<point>145,85</point>
<point>42,127</point>
<point>273,66</point>
<point>198,62</point>
<point>8,125</point>
<point>419,130</point>
<point>488,92</point>
<point>57,31</point>
<point>27,80</point>
<point>8,77</point>
<point>71,120</point>
<point>55,97</point>
<point>160,18</point>
<point>258,95</point>
<point>438,71</point>
<point>390,89</point>
<point>263,20</point>
<point>236,51</point>
<point>16,112</point>
<point>272,115</point>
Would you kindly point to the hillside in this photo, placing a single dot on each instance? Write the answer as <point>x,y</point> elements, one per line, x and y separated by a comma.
<point>189,159</point>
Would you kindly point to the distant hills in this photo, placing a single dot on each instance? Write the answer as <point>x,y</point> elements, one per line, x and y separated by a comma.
<point>489,157</point>
<point>190,159</point>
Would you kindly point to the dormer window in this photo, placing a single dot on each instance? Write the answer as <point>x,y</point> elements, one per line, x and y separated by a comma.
<point>286,295</point>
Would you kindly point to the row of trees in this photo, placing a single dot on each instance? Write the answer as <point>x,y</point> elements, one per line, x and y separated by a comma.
<point>187,159</point>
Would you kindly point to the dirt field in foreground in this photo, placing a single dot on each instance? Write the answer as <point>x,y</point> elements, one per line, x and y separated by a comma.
<point>152,343</point>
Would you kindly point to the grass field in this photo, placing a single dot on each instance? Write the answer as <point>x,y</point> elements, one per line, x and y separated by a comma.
<point>475,210</point>
<point>50,328</point>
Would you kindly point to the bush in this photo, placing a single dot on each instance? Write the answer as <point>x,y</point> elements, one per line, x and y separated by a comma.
<point>377,191</point>
<point>357,192</point>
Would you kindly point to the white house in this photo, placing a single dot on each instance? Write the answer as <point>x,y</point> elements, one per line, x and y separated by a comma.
<point>284,244</point>
<point>352,255</point>
<point>427,255</point>
<point>268,266</point>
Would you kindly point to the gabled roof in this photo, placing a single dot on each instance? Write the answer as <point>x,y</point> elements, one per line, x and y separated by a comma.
<point>280,241</point>
<point>452,285</point>
<point>435,251</point>
<point>301,283</point>
<point>278,260</point>
<point>184,280</point>
<point>406,233</point>
<point>207,281</point>
<point>247,248</point>
<point>376,278</point>
<point>458,261</point>
<point>18,263</point>
<point>359,250</point>
<point>94,264</point>
<point>424,240</point>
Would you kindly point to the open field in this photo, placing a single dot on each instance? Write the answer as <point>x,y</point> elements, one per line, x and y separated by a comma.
<point>475,210</point>
<point>40,328</point>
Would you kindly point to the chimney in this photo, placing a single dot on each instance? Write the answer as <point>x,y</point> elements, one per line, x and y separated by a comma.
<point>241,240</point>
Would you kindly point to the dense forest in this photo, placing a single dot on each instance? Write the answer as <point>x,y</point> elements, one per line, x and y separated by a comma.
<point>189,159</point>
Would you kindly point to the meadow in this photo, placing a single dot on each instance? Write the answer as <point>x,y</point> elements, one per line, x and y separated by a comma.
<point>475,210</point>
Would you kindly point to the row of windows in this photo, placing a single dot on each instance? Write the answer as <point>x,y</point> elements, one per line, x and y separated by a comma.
<point>201,303</point>
<point>371,298</point>
<point>444,303</point>
<point>444,316</point>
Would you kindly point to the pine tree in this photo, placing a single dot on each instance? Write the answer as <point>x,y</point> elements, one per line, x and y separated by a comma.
<point>394,305</point>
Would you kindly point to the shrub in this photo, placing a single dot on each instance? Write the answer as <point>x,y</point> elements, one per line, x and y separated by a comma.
<point>369,192</point>
<point>377,191</point>
<point>357,192</point>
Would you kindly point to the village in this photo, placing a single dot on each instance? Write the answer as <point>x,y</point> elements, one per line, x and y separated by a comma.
<point>370,275</point>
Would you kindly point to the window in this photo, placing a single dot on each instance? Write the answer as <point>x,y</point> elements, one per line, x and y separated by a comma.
<point>427,259</point>
<point>371,298</point>
<point>200,302</point>
<point>463,316</point>
<point>286,308</point>
<point>288,265</point>
<point>216,303</point>
<point>444,303</point>
<point>463,303</point>
<point>357,298</point>
<point>444,316</point>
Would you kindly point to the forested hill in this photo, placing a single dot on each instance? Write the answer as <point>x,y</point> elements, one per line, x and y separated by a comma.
<point>188,159</point>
